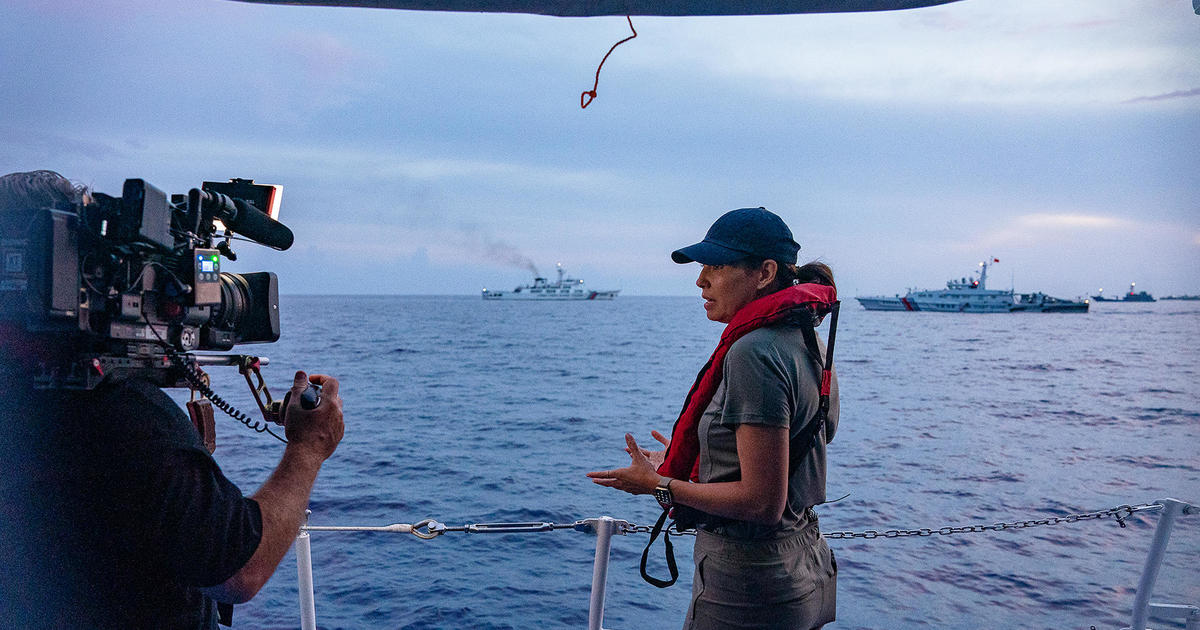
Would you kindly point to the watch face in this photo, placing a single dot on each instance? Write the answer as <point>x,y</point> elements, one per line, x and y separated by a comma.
<point>663,496</point>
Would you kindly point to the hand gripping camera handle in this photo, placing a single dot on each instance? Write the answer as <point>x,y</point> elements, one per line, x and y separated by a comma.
<point>310,399</point>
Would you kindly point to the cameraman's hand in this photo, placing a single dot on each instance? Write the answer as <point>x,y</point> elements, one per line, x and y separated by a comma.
<point>313,435</point>
<point>316,431</point>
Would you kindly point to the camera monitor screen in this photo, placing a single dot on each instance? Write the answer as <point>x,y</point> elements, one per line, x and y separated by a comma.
<point>265,197</point>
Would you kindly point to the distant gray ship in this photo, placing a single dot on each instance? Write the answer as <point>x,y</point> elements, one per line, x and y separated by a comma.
<point>1140,296</point>
<point>971,295</point>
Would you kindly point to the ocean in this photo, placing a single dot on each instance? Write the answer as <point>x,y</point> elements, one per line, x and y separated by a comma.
<point>467,411</point>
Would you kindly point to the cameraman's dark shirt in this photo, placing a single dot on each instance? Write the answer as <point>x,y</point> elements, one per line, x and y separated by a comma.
<point>112,513</point>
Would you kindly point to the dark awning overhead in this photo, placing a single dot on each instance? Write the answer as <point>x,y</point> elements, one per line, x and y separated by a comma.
<point>588,8</point>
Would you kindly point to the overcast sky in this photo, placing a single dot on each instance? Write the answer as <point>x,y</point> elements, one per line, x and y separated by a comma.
<point>440,153</point>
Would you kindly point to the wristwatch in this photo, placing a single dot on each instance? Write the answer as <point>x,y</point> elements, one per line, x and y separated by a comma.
<point>662,492</point>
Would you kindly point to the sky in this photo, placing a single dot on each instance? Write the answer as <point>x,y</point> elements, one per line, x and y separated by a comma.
<point>442,153</point>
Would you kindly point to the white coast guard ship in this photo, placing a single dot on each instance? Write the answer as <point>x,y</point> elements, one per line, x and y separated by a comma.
<point>964,295</point>
<point>971,295</point>
<point>566,288</point>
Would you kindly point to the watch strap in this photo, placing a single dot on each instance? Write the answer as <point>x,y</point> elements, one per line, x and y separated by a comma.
<point>662,492</point>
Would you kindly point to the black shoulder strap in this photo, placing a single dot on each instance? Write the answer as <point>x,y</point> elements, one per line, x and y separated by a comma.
<point>801,445</point>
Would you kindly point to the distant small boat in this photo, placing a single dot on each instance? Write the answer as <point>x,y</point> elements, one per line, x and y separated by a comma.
<point>1140,296</point>
<point>1181,297</point>
<point>565,289</point>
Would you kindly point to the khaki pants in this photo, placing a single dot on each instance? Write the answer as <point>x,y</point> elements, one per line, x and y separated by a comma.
<point>784,584</point>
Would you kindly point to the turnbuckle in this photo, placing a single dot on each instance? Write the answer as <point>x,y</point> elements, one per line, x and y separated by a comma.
<point>506,528</point>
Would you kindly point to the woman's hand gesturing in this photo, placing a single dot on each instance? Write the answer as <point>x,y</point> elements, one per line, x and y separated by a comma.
<point>640,476</point>
<point>656,457</point>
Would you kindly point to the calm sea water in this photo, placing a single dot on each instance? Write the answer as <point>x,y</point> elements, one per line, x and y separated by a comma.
<point>471,412</point>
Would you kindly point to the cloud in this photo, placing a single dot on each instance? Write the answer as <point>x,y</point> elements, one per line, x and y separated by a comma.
<point>1031,56</point>
<point>388,166</point>
<point>1047,227</point>
<point>1047,221</point>
<point>111,11</point>
<point>1165,97</point>
<point>453,244</point>
<point>442,168</point>
<point>322,56</point>
<point>945,21</point>
<point>380,243</point>
<point>310,72</point>
<point>48,147</point>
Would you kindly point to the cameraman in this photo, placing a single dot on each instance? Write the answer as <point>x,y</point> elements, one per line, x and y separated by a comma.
<point>112,512</point>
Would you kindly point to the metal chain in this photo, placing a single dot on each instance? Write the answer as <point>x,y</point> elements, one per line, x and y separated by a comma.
<point>1120,513</point>
<point>429,528</point>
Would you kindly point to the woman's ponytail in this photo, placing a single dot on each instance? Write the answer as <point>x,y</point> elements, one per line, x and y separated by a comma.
<point>813,272</point>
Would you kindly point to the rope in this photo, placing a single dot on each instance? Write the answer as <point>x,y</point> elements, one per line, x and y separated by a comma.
<point>590,95</point>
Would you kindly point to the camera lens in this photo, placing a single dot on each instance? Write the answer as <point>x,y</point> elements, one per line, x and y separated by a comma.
<point>236,302</point>
<point>248,312</point>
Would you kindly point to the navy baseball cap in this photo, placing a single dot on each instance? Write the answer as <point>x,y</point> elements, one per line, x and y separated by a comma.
<point>739,234</point>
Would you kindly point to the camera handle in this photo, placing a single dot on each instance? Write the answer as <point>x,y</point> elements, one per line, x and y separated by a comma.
<point>274,410</point>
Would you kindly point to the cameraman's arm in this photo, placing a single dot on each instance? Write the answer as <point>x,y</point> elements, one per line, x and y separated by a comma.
<point>312,437</point>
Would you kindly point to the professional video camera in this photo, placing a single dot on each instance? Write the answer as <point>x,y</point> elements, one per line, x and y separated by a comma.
<point>134,283</point>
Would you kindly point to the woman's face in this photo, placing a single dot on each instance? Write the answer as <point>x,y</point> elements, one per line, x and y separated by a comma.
<point>726,289</point>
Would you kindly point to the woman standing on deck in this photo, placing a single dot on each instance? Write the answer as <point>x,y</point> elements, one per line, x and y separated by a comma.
<point>747,455</point>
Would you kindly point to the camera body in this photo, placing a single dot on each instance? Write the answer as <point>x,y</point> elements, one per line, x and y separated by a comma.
<point>130,283</point>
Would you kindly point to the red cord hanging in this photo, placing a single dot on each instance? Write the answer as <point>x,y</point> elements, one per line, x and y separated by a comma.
<point>587,97</point>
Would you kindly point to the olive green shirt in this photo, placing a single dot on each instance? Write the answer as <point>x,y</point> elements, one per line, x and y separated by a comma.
<point>769,379</point>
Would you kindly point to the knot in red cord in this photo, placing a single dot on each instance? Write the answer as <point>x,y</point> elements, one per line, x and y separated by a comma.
<point>587,97</point>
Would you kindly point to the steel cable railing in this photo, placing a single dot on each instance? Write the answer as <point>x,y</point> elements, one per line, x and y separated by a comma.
<point>605,527</point>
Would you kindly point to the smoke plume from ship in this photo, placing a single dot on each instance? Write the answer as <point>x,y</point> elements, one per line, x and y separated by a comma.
<point>501,252</point>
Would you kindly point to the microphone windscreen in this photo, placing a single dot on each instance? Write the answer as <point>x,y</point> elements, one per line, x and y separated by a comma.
<point>258,225</point>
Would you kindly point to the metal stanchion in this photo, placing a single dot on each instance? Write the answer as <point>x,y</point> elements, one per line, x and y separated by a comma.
<point>1162,534</point>
<point>605,526</point>
<point>308,609</point>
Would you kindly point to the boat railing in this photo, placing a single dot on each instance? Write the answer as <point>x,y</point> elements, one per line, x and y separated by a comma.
<point>605,527</point>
